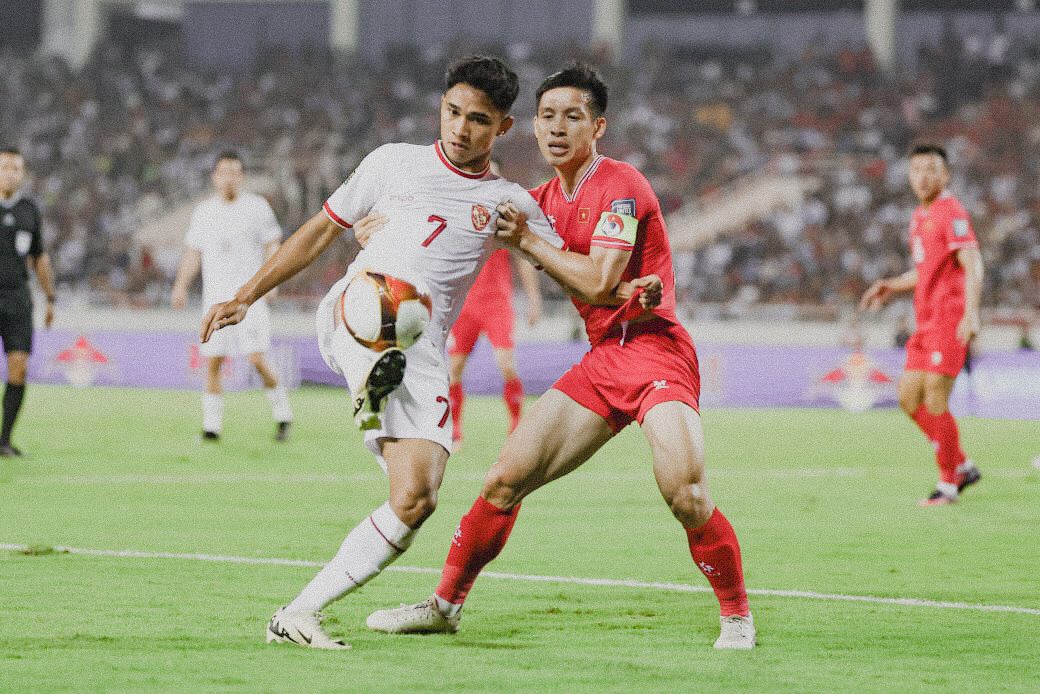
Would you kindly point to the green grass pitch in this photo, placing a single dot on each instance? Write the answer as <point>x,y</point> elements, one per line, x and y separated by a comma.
<point>822,501</point>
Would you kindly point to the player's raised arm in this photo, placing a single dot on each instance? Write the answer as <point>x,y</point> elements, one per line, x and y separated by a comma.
<point>593,278</point>
<point>298,251</point>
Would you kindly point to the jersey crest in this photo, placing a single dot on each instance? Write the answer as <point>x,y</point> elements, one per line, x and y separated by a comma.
<point>480,217</point>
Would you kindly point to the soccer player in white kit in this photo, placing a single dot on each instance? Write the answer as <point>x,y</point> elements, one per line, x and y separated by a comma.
<point>230,236</point>
<point>439,204</point>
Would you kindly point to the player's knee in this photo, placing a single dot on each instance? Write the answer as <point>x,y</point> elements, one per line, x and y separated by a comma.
<point>935,403</point>
<point>413,505</point>
<point>690,504</point>
<point>504,486</point>
<point>909,402</point>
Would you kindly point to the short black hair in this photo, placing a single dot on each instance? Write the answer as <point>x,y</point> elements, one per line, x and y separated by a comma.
<point>228,155</point>
<point>11,150</point>
<point>580,76</point>
<point>930,148</point>
<point>488,74</point>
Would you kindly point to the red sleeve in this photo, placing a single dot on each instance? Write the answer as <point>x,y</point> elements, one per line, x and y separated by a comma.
<point>628,196</point>
<point>958,229</point>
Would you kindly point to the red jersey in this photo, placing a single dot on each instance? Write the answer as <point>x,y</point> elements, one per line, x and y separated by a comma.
<point>937,232</point>
<point>613,206</point>
<point>494,284</point>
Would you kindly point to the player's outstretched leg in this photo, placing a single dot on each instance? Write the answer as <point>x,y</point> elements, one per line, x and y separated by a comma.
<point>536,453</point>
<point>677,443</point>
<point>415,468</point>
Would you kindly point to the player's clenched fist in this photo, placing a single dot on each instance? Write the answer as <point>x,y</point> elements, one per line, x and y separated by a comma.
<point>222,315</point>
<point>652,288</point>
<point>511,224</point>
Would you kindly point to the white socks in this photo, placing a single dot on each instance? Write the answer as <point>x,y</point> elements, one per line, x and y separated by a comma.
<point>212,412</point>
<point>369,548</point>
<point>279,399</point>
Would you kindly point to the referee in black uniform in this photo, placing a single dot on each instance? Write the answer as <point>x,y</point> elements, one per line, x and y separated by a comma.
<point>21,245</point>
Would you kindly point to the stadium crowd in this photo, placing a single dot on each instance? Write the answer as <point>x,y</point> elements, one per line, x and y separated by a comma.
<point>136,129</point>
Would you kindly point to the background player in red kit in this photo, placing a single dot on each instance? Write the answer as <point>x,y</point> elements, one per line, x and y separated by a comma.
<point>489,310</point>
<point>947,285</point>
<point>642,367</point>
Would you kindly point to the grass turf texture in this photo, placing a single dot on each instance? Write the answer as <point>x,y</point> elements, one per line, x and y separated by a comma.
<point>822,501</point>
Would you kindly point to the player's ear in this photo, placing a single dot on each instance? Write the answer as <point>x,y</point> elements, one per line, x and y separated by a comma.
<point>599,128</point>
<point>505,125</point>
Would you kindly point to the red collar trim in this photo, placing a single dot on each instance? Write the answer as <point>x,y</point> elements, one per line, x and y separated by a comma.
<point>454,169</point>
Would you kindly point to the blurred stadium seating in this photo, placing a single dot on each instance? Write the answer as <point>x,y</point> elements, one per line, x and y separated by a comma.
<point>120,146</point>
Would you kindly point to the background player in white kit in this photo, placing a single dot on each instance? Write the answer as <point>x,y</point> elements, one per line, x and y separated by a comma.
<point>439,203</point>
<point>231,234</point>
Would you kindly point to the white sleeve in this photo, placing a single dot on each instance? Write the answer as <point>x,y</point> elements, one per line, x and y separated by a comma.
<point>536,219</point>
<point>196,236</point>
<point>267,228</point>
<point>358,194</point>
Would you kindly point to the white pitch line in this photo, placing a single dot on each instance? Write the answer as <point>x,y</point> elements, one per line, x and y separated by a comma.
<point>570,580</point>
<point>344,478</point>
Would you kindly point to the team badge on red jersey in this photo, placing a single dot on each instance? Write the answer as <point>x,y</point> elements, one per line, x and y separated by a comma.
<point>613,225</point>
<point>480,217</point>
<point>584,214</point>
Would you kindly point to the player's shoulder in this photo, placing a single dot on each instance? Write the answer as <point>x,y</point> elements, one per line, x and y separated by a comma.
<point>254,200</point>
<point>620,182</point>
<point>27,203</point>
<point>949,204</point>
<point>399,152</point>
<point>540,191</point>
<point>205,205</point>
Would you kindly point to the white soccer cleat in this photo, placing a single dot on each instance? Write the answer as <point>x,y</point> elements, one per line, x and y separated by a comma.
<point>738,633</point>
<point>421,618</point>
<point>385,374</point>
<point>303,629</point>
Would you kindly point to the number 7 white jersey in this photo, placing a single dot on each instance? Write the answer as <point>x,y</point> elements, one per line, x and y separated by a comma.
<point>441,222</point>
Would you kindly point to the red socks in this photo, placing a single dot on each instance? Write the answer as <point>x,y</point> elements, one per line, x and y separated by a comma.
<point>941,430</point>
<point>481,535</point>
<point>716,552</point>
<point>455,398</point>
<point>513,394</point>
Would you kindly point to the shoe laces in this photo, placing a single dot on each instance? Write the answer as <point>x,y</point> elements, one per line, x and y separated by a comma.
<point>735,623</point>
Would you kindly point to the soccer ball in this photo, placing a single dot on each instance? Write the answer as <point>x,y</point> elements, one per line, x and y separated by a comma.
<point>381,311</point>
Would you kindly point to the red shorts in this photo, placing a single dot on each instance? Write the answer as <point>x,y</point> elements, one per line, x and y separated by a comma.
<point>622,381</point>
<point>937,351</point>
<point>494,318</point>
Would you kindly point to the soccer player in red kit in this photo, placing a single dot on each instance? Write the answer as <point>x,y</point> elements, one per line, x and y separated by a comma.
<point>947,284</point>
<point>489,310</point>
<point>641,367</point>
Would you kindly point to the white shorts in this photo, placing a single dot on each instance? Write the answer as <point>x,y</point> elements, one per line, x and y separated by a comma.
<point>250,336</point>
<point>418,408</point>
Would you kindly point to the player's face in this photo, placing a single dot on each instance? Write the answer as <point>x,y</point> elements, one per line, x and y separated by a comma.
<point>469,125</point>
<point>928,176</point>
<point>228,177</point>
<point>12,173</point>
<point>566,129</point>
